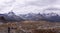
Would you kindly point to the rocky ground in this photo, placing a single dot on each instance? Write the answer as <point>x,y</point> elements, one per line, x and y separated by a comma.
<point>30,27</point>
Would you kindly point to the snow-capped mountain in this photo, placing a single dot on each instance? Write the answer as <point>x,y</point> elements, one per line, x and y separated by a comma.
<point>32,16</point>
<point>11,17</point>
<point>37,17</point>
<point>51,16</point>
<point>14,17</point>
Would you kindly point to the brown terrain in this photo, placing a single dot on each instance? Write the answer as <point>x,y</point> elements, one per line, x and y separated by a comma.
<point>30,27</point>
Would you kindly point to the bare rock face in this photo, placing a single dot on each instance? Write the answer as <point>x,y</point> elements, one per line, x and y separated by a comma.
<point>2,18</point>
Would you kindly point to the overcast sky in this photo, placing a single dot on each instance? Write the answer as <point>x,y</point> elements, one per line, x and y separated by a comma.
<point>27,6</point>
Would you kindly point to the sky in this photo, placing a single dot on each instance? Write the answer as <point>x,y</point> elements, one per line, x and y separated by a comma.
<point>28,6</point>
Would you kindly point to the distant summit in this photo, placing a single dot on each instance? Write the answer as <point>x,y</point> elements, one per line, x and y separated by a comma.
<point>11,13</point>
<point>10,17</point>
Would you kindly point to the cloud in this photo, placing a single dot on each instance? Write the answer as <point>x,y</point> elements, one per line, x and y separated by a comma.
<point>41,2</point>
<point>26,6</point>
<point>6,5</point>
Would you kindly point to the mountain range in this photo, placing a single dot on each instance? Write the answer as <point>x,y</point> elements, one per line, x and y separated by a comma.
<point>52,17</point>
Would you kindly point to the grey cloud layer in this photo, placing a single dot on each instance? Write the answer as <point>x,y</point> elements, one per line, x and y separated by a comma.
<point>42,2</point>
<point>37,5</point>
<point>26,6</point>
